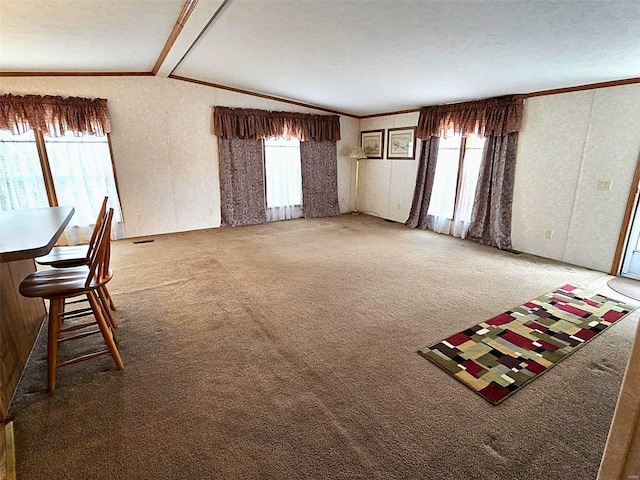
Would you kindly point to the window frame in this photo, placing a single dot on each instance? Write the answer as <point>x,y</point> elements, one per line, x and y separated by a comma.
<point>46,168</point>
<point>463,152</point>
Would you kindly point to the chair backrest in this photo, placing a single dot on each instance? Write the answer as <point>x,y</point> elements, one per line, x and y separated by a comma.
<point>99,260</point>
<point>96,229</point>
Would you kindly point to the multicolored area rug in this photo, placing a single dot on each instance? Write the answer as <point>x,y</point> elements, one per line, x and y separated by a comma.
<point>501,355</point>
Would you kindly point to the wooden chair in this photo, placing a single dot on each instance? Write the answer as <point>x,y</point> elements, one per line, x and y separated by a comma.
<point>75,256</point>
<point>57,285</point>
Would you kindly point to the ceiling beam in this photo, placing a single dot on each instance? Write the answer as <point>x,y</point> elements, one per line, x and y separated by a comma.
<point>194,19</point>
<point>186,12</point>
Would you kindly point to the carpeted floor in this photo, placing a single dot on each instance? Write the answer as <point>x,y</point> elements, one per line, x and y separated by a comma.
<point>289,351</point>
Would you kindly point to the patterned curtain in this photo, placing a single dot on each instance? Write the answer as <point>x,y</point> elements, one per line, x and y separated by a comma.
<point>481,117</point>
<point>241,182</point>
<point>424,184</point>
<point>240,133</point>
<point>54,116</point>
<point>252,123</point>
<point>319,179</point>
<point>498,120</point>
<point>491,217</point>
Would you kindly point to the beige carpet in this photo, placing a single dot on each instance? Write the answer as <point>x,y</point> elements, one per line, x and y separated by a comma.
<point>625,286</point>
<point>288,351</point>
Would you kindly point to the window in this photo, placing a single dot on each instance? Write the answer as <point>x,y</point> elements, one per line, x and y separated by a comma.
<point>21,181</point>
<point>454,186</point>
<point>283,178</point>
<point>40,171</point>
<point>82,174</point>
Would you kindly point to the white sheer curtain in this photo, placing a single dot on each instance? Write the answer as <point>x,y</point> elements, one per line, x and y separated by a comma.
<point>82,176</point>
<point>468,184</point>
<point>443,195</point>
<point>283,175</point>
<point>21,180</point>
<point>447,214</point>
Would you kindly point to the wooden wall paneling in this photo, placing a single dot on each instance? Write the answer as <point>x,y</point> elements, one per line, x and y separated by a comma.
<point>20,322</point>
<point>3,454</point>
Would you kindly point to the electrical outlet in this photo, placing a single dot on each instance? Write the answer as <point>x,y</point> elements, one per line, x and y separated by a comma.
<point>604,184</point>
<point>548,234</point>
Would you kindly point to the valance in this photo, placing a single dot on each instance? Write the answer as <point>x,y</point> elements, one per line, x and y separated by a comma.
<point>254,124</point>
<point>54,115</point>
<point>500,115</point>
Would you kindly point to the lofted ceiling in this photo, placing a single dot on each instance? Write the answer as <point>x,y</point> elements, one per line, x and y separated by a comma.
<point>360,57</point>
<point>84,35</point>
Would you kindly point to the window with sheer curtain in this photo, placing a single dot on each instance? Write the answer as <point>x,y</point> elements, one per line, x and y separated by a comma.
<point>454,185</point>
<point>21,180</point>
<point>81,176</point>
<point>283,178</point>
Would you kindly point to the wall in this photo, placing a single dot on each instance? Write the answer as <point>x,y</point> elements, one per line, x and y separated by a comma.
<point>167,163</point>
<point>385,187</point>
<point>568,142</point>
<point>165,155</point>
<point>621,459</point>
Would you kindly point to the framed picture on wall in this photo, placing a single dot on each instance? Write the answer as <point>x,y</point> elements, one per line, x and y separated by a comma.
<point>372,142</point>
<point>401,143</point>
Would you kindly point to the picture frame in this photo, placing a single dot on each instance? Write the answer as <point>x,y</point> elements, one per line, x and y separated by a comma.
<point>372,142</point>
<point>401,143</point>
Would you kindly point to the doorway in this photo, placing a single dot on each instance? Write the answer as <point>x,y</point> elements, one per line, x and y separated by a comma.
<point>626,259</point>
<point>631,259</point>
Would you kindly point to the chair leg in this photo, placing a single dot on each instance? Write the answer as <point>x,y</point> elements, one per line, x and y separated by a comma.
<point>55,307</point>
<point>112,305</point>
<point>103,296</point>
<point>107,334</point>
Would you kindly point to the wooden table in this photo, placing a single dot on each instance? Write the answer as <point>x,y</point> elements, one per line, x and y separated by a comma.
<point>24,235</point>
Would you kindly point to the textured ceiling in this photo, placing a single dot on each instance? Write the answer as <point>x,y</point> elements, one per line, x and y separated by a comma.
<point>360,57</point>
<point>365,57</point>
<point>84,35</point>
